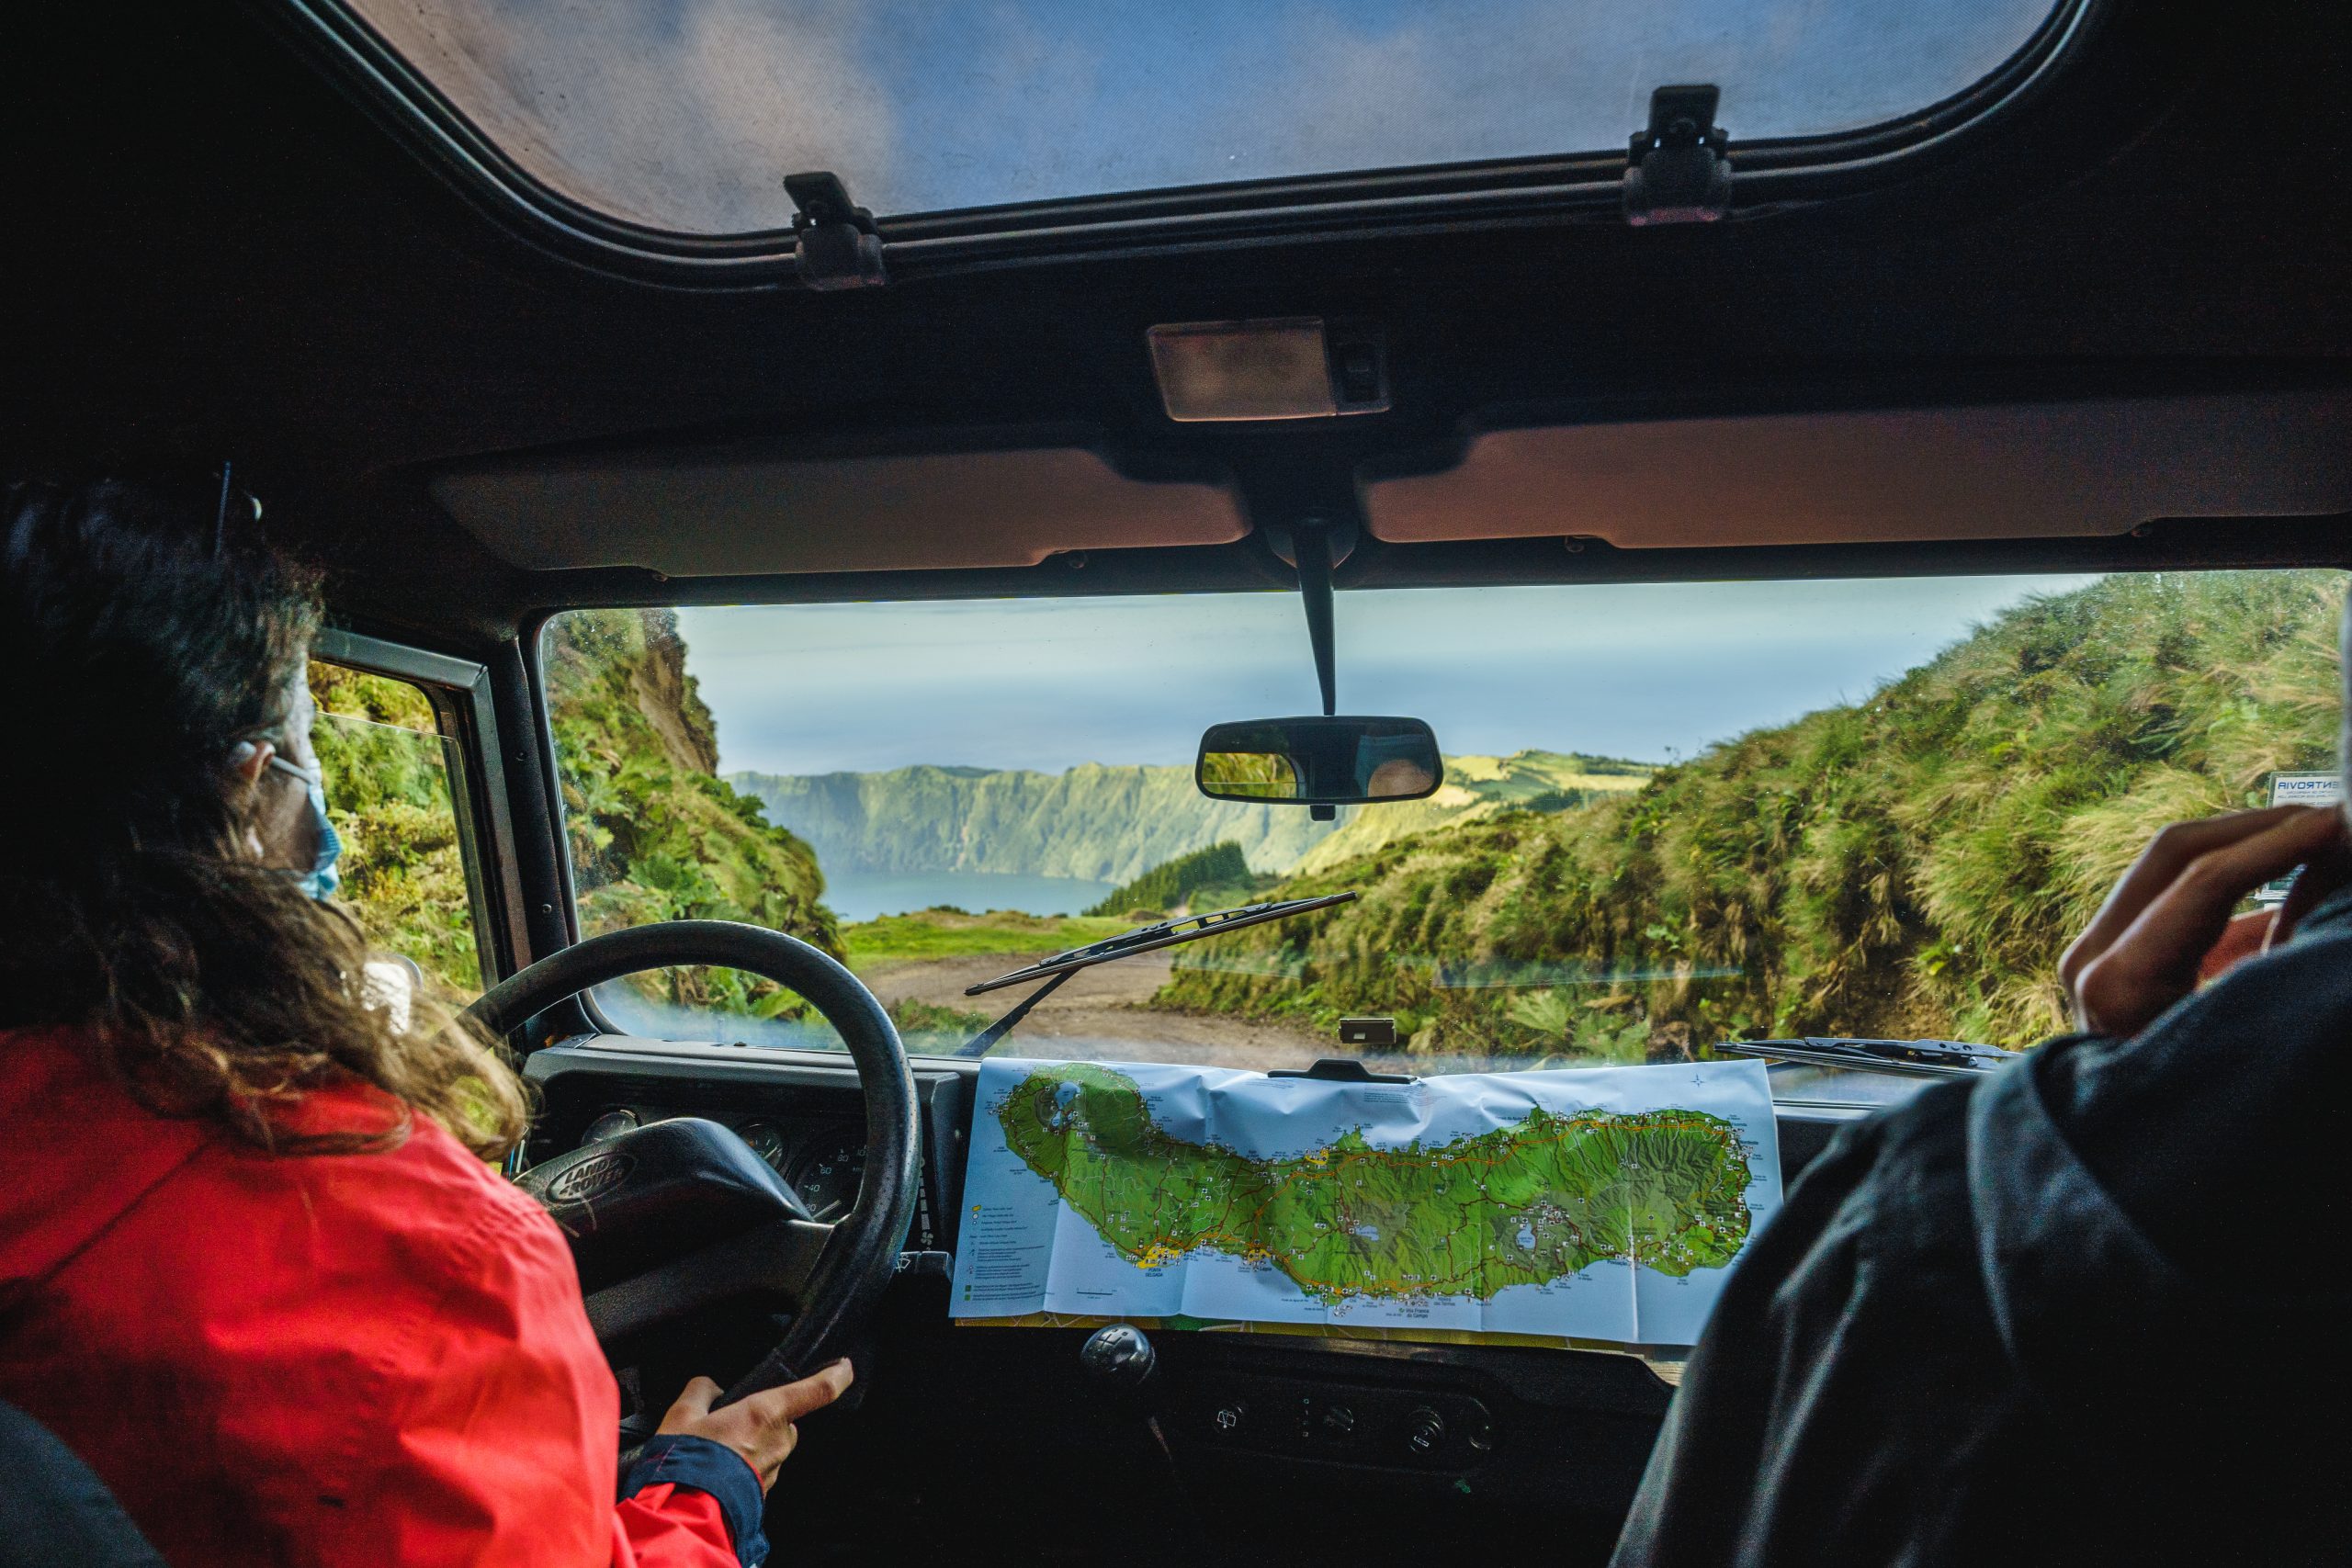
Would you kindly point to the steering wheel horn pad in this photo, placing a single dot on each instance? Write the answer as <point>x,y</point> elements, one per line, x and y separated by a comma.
<point>632,1203</point>
<point>833,1275</point>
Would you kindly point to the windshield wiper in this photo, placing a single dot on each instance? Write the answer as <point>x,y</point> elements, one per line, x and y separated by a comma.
<point>1151,938</point>
<point>1903,1058</point>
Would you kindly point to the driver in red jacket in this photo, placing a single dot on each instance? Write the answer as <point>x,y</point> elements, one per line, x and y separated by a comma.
<point>254,1268</point>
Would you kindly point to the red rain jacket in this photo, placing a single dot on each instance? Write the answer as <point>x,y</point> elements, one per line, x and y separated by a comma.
<point>310,1359</point>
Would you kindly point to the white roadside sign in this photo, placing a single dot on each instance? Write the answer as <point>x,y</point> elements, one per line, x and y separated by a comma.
<point>2298,789</point>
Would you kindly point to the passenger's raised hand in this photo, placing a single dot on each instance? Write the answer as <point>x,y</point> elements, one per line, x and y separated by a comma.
<point>2140,954</point>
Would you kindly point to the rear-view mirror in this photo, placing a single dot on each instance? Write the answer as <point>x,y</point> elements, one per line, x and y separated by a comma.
<point>1320,761</point>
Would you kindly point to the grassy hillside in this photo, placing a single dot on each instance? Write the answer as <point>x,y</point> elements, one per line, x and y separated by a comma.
<point>655,834</point>
<point>1106,823</point>
<point>1910,864</point>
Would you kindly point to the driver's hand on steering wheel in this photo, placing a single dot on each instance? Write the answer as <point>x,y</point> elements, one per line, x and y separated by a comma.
<point>760,1427</point>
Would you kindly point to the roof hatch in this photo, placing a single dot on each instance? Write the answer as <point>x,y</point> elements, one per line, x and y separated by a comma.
<point>681,117</point>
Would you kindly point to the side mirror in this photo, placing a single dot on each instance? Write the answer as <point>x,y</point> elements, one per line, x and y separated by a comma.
<point>1320,761</point>
<point>388,983</point>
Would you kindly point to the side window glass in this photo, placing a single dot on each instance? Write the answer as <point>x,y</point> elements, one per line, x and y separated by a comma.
<point>391,794</point>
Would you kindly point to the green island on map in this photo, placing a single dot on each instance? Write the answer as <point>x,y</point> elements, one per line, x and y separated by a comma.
<point>1522,1205</point>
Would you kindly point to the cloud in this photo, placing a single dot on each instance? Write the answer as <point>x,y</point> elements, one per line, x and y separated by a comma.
<point>685,115</point>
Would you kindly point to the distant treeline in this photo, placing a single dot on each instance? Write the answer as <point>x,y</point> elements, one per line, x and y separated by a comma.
<point>1174,882</point>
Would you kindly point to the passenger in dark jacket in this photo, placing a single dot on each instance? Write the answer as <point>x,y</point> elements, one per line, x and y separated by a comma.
<point>2090,1310</point>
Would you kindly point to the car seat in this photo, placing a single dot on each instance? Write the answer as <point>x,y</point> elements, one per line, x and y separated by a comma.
<point>53,1510</point>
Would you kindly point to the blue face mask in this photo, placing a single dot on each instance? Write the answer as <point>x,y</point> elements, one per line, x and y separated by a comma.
<point>321,879</point>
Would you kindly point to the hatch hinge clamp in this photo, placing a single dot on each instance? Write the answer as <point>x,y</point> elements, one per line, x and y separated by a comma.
<point>1677,171</point>
<point>839,245</point>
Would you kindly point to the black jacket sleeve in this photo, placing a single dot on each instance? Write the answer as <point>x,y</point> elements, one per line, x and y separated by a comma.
<point>2082,1311</point>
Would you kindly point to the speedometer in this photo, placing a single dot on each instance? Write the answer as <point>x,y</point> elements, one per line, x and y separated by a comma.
<point>828,1175</point>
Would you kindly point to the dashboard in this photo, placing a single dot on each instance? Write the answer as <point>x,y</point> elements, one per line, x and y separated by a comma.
<point>1270,1417</point>
<point>802,1112</point>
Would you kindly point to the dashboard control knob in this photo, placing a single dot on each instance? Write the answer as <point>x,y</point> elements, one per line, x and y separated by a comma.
<point>1424,1432</point>
<point>1339,1421</point>
<point>1480,1431</point>
<point>1231,1416</point>
<point>1117,1358</point>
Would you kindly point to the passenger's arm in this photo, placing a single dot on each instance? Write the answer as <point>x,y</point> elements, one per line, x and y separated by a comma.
<point>2143,951</point>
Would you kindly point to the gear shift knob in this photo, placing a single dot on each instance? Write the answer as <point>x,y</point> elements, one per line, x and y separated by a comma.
<point>1118,1360</point>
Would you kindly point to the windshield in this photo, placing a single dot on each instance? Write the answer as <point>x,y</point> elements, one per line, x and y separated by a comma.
<point>1673,815</point>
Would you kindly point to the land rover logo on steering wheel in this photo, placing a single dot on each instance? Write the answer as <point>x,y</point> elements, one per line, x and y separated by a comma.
<point>590,1178</point>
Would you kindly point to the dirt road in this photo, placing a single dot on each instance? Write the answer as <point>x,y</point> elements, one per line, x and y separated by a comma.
<point>1099,1014</point>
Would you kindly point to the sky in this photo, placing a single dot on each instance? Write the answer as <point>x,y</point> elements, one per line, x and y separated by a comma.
<point>1649,671</point>
<point>685,114</point>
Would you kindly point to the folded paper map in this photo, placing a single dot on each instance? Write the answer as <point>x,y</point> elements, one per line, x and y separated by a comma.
<point>1605,1203</point>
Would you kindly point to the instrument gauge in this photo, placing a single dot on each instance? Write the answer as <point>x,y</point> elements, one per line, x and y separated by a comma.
<point>610,1124</point>
<point>766,1139</point>
<point>827,1176</point>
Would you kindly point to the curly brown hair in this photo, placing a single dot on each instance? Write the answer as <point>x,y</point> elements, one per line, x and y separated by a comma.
<point>143,640</point>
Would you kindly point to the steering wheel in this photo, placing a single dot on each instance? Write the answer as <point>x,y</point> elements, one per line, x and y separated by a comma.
<point>670,1174</point>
